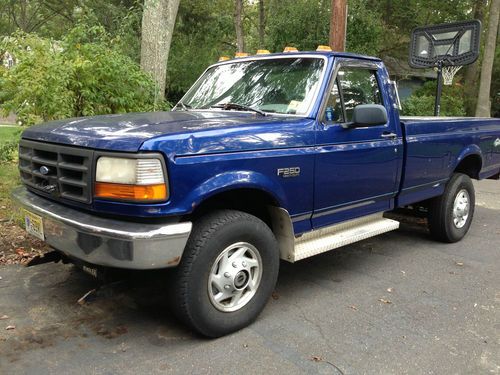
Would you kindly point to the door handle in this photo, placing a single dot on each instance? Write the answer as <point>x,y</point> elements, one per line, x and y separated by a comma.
<point>389,135</point>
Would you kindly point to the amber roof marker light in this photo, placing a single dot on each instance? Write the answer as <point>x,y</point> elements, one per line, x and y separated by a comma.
<point>241,54</point>
<point>323,48</point>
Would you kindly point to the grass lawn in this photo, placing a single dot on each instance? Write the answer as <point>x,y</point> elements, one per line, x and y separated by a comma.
<point>8,133</point>
<point>15,245</point>
<point>9,176</point>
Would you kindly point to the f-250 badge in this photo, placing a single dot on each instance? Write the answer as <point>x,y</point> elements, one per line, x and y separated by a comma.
<point>288,172</point>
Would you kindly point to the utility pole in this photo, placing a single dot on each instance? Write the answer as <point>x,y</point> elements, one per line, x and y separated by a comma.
<point>483,106</point>
<point>238,24</point>
<point>338,25</point>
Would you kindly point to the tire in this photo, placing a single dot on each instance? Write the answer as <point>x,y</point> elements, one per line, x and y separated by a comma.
<point>450,215</point>
<point>229,254</point>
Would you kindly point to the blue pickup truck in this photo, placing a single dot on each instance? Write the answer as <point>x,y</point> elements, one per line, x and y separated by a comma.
<point>269,157</point>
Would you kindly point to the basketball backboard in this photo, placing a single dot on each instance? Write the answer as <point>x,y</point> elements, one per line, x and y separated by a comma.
<point>446,44</point>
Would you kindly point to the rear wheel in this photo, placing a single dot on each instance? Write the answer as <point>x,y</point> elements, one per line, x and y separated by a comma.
<point>450,215</point>
<point>227,273</point>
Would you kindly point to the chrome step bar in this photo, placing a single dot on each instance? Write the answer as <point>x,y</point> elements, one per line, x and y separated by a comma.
<point>338,235</point>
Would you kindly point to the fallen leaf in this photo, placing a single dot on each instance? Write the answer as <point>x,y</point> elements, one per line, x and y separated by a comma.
<point>459,264</point>
<point>353,307</point>
<point>275,296</point>
<point>8,328</point>
<point>403,272</point>
<point>386,301</point>
<point>390,290</point>
<point>20,251</point>
<point>3,317</point>
<point>316,358</point>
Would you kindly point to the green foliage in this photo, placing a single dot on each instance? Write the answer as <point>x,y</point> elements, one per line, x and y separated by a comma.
<point>203,32</point>
<point>365,32</point>
<point>8,151</point>
<point>421,102</point>
<point>9,139</point>
<point>81,75</point>
<point>35,88</point>
<point>301,23</point>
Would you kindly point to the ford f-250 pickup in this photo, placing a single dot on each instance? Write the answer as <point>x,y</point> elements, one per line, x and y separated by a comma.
<point>265,157</point>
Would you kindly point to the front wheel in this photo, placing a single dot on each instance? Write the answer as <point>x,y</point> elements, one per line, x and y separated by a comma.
<point>450,215</point>
<point>227,273</point>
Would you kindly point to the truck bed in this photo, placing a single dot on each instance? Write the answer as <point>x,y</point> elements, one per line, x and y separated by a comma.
<point>436,145</point>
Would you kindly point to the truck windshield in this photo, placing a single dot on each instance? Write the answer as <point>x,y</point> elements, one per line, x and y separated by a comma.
<point>281,85</point>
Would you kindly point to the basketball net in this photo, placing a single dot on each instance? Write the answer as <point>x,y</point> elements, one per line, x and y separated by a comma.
<point>449,72</point>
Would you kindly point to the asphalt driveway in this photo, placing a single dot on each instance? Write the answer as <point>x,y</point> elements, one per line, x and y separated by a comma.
<point>395,304</point>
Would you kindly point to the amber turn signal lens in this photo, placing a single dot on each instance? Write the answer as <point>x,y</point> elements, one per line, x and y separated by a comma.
<point>131,192</point>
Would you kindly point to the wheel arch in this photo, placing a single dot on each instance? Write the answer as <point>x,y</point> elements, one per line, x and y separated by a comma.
<point>256,202</point>
<point>469,162</point>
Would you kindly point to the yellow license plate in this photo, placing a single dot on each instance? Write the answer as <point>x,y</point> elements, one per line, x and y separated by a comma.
<point>34,224</point>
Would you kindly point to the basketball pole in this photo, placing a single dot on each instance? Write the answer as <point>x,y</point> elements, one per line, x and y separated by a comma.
<point>439,89</point>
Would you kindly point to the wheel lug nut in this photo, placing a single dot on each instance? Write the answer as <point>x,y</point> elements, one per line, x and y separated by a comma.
<point>227,286</point>
<point>226,274</point>
<point>235,265</point>
<point>244,264</point>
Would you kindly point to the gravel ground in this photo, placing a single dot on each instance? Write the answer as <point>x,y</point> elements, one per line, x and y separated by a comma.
<point>395,304</point>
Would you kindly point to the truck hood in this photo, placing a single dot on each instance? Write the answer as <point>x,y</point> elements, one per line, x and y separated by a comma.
<point>127,132</point>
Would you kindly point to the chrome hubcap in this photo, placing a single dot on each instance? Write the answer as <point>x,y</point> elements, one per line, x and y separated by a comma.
<point>235,277</point>
<point>461,208</point>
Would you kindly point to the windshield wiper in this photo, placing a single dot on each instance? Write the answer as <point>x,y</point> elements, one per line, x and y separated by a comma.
<point>241,107</point>
<point>185,107</point>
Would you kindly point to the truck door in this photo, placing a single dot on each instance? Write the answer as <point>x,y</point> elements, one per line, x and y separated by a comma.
<point>357,170</point>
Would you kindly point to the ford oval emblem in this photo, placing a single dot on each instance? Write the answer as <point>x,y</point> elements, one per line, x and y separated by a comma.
<point>44,170</point>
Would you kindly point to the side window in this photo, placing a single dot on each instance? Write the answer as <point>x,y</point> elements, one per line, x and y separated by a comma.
<point>359,86</point>
<point>333,112</point>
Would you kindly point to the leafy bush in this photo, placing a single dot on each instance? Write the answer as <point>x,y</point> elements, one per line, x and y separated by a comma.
<point>421,102</point>
<point>81,75</point>
<point>8,150</point>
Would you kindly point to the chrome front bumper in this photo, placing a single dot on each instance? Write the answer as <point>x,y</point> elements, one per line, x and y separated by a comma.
<point>104,241</point>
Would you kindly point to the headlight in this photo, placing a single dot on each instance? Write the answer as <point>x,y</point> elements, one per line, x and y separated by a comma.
<point>130,179</point>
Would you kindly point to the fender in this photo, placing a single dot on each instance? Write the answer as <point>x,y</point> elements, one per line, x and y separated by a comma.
<point>232,180</point>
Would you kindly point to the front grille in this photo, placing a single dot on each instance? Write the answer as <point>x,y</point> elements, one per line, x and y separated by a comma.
<point>59,172</point>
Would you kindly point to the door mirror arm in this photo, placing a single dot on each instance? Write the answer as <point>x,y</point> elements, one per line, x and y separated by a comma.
<point>348,125</point>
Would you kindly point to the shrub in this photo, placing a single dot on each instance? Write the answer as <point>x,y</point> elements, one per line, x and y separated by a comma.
<point>8,150</point>
<point>421,102</point>
<point>81,75</point>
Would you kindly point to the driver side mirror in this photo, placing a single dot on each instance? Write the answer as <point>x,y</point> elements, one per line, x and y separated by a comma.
<point>367,115</point>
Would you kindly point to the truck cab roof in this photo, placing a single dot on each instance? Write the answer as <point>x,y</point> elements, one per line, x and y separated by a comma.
<point>328,54</point>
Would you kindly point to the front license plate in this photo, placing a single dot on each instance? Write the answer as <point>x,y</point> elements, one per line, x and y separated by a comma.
<point>34,224</point>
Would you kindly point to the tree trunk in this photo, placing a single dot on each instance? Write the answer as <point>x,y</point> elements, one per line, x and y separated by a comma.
<point>483,100</point>
<point>238,24</point>
<point>471,76</point>
<point>158,20</point>
<point>262,23</point>
<point>338,25</point>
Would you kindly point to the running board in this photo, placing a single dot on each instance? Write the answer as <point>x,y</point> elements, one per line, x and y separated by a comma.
<point>338,235</point>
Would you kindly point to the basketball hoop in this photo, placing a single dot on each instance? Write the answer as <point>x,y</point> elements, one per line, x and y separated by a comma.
<point>446,48</point>
<point>449,73</point>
